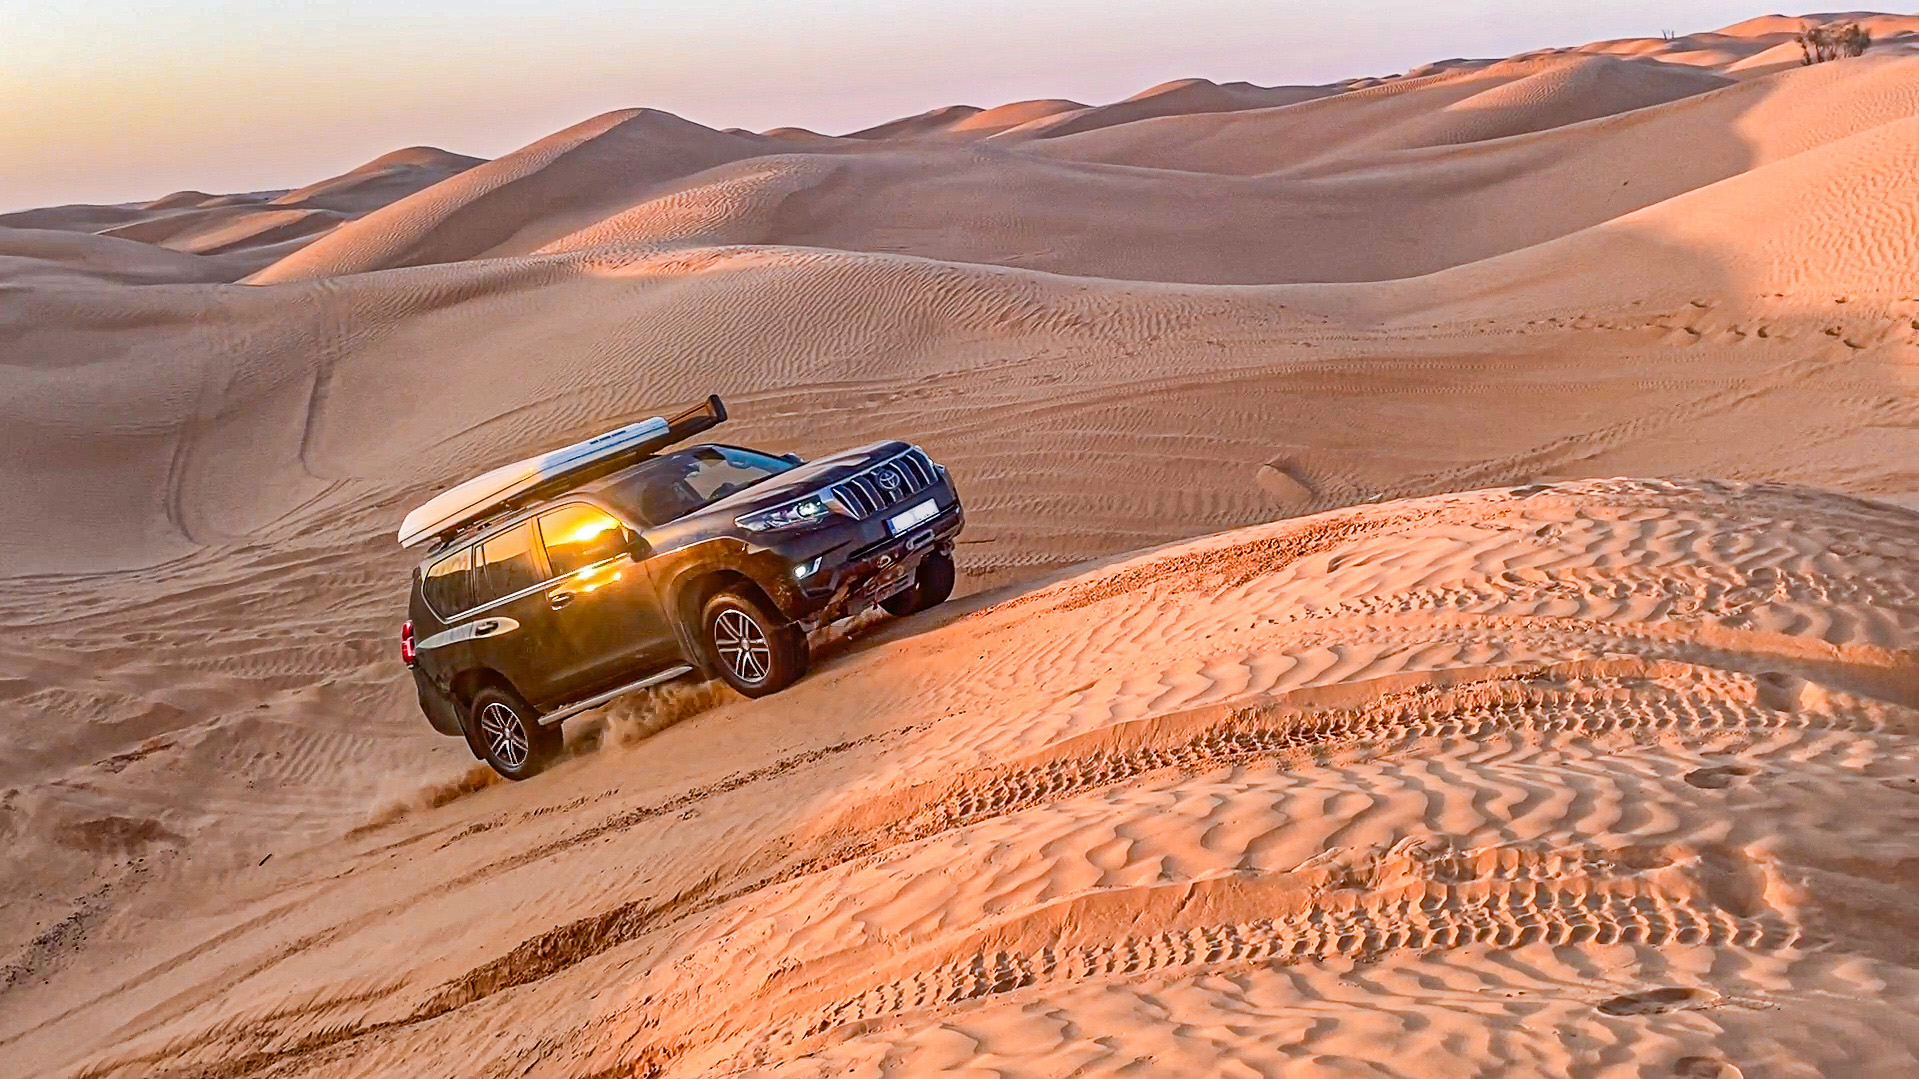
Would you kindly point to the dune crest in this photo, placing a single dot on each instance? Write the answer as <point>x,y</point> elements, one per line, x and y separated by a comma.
<point>242,233</point>
<point>382,180</point>
<point>1530,150</point>
<point>499,207</point>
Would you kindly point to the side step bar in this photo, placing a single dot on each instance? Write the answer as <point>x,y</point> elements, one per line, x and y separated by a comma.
<point>594,702</point>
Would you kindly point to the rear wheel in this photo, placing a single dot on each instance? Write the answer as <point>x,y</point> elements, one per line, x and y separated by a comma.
<point>755,652</point>
<point>506,732</point>
<point>932,583</point>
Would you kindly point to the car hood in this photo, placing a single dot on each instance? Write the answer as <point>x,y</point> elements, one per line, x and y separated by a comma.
<point>816,475</point>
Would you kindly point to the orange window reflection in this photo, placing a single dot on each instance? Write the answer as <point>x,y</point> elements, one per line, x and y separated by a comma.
<point>579,535</point>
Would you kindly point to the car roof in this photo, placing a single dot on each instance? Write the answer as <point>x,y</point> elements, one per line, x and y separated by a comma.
<point>590,488</point>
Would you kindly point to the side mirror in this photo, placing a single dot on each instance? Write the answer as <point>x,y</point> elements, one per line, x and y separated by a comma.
<point>792,458</point>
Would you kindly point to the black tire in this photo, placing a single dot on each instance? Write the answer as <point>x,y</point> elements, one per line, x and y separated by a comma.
<point>506,732</point>
<point>932,583</point>
<point>754,651</point>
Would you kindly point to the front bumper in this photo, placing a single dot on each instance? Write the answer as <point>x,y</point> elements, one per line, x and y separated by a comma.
<point>879,571</point>
<point>861,561</point>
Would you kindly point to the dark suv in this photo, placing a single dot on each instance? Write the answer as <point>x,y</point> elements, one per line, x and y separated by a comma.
<point>662,563</point>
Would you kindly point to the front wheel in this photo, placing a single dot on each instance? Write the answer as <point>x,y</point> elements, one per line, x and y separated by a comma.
<point>506,732</point>
<point>932,583</point>
<point>753,651</point>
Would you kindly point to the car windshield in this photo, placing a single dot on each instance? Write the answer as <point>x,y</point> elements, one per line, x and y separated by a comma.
<point>670,487</point>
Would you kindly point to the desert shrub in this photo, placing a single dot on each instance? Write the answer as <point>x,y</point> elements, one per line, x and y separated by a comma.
<point>1823,43</point>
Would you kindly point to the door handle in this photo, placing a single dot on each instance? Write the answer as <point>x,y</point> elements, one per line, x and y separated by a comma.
<point>557,600</point>
<point>486,628</point>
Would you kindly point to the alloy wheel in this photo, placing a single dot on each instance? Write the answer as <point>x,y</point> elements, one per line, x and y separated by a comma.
<point>742,645</point>
<point>505,734</point>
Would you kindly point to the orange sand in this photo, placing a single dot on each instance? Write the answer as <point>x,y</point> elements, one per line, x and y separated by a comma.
<point>1352,773</point>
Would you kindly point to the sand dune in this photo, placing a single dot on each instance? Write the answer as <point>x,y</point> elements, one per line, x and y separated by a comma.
<point>1177,98</point>
<point>962,122</point>
<point>217,230</point>
<point>384,179</point>
<point>1363,129</point>
<point>251,231</point>
<point>1497,146</point>
<point>932,121</point>
<point>1323,768</point>
<point>1544,777</point>
<point>515,202</point>
<point>1535,97</point>
<point>1729,46</point>
<point>63,256</point>
<point>1005,117</point>
<point>1828,225</point>
<point>1052,117</point>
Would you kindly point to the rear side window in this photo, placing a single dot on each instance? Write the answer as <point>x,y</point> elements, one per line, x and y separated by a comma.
<point>579,535</point>
<point>507,564</point>
<point>448,585</point>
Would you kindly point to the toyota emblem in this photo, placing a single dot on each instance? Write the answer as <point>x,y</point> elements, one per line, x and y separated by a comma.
<point>889,481</point>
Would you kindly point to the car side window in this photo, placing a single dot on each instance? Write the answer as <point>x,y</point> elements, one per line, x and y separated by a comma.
<point>508,563</point>
<point>578,535</point>
<point>448,586</point>
<point>668,488</point>
<point>723,470</point>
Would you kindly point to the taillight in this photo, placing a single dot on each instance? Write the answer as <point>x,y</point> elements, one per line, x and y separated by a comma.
<point>407,652</point>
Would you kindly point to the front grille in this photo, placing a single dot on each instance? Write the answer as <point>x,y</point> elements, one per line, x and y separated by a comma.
<point>888,483</point>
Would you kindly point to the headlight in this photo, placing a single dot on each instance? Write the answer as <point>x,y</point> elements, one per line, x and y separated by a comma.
<point>792,515</point>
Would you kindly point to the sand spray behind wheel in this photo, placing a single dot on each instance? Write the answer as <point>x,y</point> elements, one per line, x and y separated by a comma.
<point>635,717</point>
<point>405,796</point>
<point>628,721</point>
<point>622,724</point>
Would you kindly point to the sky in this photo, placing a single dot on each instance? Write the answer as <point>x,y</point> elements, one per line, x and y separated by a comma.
<point>123,100</point>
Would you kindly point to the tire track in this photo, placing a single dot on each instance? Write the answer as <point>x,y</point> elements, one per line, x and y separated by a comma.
<point>1588,701</point>
<point>1582,700</point>
<point>1689,681</point>
<point>1414,897</point>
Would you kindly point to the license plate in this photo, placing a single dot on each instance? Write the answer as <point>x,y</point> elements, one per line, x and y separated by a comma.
<point>918,515</point>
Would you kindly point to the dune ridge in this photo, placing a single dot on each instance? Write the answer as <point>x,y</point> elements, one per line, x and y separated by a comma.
<point>242,233</point>
<point>1531,149</point>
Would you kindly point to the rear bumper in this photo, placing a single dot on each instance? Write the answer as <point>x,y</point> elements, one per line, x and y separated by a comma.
<point>443,713</point>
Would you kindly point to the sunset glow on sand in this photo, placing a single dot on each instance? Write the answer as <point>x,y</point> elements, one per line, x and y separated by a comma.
<point>1438,594</point>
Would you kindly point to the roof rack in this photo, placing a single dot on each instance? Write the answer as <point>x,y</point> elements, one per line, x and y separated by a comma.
<point>458,512</point>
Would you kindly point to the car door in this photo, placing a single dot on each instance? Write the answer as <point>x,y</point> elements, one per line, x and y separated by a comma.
<point>514,630</point>
<point>608,623</point>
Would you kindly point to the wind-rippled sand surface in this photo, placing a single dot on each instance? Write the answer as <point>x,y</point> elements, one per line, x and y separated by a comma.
<point>1564,774</point>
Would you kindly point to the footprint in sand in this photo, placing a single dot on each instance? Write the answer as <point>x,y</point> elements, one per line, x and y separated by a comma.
<point>1671,998</point>
<point>1779,691</point>
<point>1705,1068</point>
<point>1285,484</point>
<point>1719,776</point>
